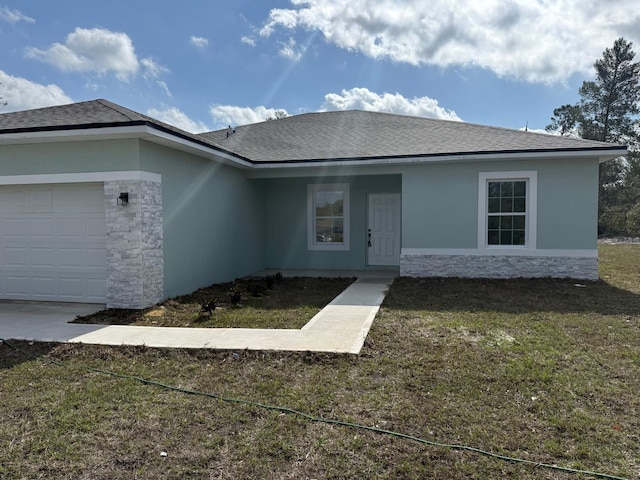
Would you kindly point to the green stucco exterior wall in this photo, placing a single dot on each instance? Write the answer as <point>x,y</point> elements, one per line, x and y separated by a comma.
<point>69,157</point>
<point>286,221</point>
<point>440,203</point>
<point>213,219</point>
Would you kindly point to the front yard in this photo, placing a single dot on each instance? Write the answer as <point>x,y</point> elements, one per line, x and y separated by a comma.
<point>270,302</point>
<point>543,370</point>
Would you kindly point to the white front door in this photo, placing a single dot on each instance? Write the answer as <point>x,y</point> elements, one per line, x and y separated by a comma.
<point>383,231</point>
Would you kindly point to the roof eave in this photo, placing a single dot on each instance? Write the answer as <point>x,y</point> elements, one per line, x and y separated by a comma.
<point>602,153</point>
<point>158,134</point>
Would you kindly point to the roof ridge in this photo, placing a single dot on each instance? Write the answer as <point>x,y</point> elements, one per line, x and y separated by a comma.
<point>127,112</point>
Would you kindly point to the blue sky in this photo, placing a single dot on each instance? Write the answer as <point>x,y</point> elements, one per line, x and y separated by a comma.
<point>202,65</point>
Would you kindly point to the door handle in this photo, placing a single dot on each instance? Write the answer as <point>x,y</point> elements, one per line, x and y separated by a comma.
<point>369,241</point>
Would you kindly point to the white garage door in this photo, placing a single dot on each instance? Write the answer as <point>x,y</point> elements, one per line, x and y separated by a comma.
<point>52,243</point>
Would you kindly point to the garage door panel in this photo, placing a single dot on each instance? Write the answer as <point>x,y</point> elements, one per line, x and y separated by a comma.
<point>15,228</point>
<point>44,286</point>
<point>70,227</point>
<point>70,257</point>
<point>42,257</point>
<point>40,200</point>
<point>13,199</point>
<point>72,287</point>
<point>17,285</point>
<point>68,199</point>
<point>96,289</point>
<point>52,242</point>
<point>15,256</point>
<point>42,227</point>
<point>95,228</point>
<point>96,257</point>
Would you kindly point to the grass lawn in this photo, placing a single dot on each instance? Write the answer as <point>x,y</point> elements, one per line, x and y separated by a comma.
<point>278,303</point>
<point>543,370</point>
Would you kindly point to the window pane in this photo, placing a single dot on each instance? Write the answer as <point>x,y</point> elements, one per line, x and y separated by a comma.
<point>494,205</point>
<point>518,237</point>
<point>329,204</point>
<point>494,237</point>
<point>519,189</point>
<point>519,204</point>
<point>518,222</point>
<point>505,237</point>
<point>329,230</point>
<point>494,223</point>
<point>494,189</point>
<point>506,223</point>
<point>506,189</point>
<point>506,205</point>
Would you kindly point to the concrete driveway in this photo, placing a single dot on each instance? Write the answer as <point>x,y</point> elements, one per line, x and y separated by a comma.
<point>44,321</point>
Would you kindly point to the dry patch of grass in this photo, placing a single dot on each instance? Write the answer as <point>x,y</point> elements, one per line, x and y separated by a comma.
<point>261,303</point>
<point>538,369</point>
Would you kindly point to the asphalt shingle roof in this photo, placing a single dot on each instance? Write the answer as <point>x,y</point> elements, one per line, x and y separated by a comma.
<point>360,134</point>
<point>343,135</point>
<point>92,113</point>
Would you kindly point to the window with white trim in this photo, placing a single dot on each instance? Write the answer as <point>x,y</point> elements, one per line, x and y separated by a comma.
<point>507,210</point>
<point>328,216</point>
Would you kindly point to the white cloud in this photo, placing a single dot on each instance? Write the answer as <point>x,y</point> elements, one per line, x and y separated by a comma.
<point>291,50</point>
<point>364,99</point>
<point>165,88</point>
<point>177,118</point>
<point>23,94</point>
<point>224,115</point>
<point>199,42</point>
<point>91,50</point>
<point>354,99</point>
<point>14,16</point>
<point>248,41</point>
<point>153,71</point>
<point>537,41</point>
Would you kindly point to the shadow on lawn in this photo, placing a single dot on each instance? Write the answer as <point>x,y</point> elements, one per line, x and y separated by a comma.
<point>16,352</point>
<point>511,296</point>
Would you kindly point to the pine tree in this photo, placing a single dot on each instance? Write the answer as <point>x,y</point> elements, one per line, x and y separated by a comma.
<point>609,103</point>
<point>608,112</point>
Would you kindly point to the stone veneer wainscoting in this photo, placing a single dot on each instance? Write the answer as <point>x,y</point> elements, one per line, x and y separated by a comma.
<point>490,266</point>
<point>134,244</point>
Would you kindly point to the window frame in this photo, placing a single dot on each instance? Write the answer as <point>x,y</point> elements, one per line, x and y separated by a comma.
<point>531,179</point>
<point>312,190</point>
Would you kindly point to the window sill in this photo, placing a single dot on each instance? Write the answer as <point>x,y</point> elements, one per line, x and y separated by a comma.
<point>329,247</point>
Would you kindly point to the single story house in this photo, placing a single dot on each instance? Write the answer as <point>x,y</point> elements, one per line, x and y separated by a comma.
<point>101,204</point>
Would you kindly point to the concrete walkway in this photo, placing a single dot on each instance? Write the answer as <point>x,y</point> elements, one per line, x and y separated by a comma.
<point>341,327</point>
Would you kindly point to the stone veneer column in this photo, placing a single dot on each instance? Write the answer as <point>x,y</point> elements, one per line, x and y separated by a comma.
<point>134,244</point>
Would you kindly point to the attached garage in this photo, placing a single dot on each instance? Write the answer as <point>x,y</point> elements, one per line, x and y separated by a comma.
<point>53,243</point>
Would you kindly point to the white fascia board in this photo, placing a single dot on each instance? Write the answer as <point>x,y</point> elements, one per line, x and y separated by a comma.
<point>166,138</point>
<point>500,252</point>
<point>444,158</point>
<point>75,134</point>
<point>88,177</point>
<point>620,153</point>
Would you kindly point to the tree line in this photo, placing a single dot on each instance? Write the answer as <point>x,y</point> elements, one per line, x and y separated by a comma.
<point>608,111</point>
